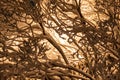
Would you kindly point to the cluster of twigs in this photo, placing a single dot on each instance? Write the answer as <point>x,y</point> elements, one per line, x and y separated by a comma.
<point>23,35</point>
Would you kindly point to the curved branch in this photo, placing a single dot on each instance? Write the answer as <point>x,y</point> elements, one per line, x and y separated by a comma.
<point>55,44</point>
<point>72,68</point>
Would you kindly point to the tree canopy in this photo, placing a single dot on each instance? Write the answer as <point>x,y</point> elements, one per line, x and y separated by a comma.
<point>89,28</point>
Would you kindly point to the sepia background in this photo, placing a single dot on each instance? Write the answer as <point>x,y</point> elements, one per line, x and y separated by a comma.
<point>59,40</point>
